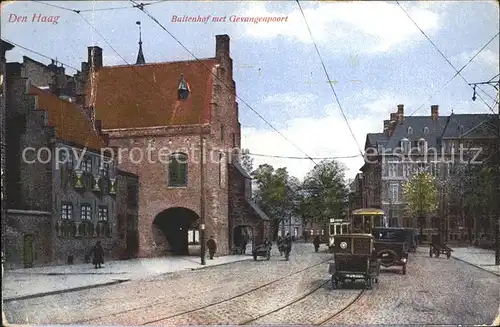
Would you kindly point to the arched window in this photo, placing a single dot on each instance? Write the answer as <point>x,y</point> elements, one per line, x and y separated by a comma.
<point>177,170</point>
<point>410,130</point>
<point>426,130</point>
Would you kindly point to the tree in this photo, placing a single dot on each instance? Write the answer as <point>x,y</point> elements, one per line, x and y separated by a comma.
<point>246,161</point>
<point>277,194</point>
<point>420,194</point>
<point>324,192</point>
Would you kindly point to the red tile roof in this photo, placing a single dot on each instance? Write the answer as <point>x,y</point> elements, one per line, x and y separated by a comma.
<point>147,95</point>
<point>71,124</point>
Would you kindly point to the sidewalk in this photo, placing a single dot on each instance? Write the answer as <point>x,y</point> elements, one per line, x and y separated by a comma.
<point>35,282</point>
<point>481,258</point>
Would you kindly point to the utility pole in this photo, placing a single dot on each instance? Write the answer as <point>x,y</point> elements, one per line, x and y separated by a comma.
<point>202,198</point>
<point>496,162</point>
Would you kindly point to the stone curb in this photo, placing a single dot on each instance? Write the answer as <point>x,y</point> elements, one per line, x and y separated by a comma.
<point>75,289</point>
<point>219,264</point>
<point>32,296</point>
<point>477,266</point>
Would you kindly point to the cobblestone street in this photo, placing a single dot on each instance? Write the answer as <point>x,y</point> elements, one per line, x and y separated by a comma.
<point>435,290</point>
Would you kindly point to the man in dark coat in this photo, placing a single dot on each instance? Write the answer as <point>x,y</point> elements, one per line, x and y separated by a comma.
<point>316,243</point>
<point>212,247</point>
<point>98,252</point>
<point>279,242</point>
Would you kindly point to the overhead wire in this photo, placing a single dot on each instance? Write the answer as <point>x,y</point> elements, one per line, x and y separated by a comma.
<point>251,154</point>
<point>456,74</point>
<point>93,10</point>
<point>40,54</point>
<point>328,78</point>
<point>303,158</point>
<point>141,7</point>
<point>439,51</point>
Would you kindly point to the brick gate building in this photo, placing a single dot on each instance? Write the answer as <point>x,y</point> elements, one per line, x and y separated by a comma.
<point>156,116</point>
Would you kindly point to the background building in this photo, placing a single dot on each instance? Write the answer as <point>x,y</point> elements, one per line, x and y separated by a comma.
<point>432,142</point>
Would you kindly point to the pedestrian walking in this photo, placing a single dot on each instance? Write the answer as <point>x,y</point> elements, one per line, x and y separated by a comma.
<point>98,253</point>
<point>244,243</point>
<point>287,246</point>
<point>316,243</point>
<point>279,242</point>
<point>212,247</point>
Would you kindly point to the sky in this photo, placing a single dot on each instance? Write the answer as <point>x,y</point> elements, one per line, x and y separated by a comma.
<point>374,54</point>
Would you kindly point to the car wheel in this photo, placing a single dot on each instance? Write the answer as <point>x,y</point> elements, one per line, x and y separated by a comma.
<point>255,257</point>
<point>404,270</point>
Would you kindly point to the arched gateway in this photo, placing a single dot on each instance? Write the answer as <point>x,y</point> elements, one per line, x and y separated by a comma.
<point>170,229</point>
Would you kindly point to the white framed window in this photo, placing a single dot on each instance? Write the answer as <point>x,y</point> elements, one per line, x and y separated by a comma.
<point>405,145</point>
<point>86,164</point>
<point>394,192</point>
<point>67,211</point>
<point>65,156</point>
<point>103,213</point>
<point>410,130</point>
<point>393,169</point>
<point>86,212</point>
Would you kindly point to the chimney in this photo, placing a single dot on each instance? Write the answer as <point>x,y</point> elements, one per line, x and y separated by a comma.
<point>85,67</point>
<point>222,46</point>
<point>394,117</point>
<point>95,57</point>
<point>434,111</point>
<point>54,85</point>
<point>401,113</point>
<point>386,125</point>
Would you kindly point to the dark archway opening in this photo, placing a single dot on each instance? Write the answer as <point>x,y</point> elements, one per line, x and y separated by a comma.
<point>174,224</point>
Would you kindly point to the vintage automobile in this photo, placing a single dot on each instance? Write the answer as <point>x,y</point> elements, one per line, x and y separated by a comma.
<point>262,250</point>
<point>395,234</point>
<point>354,259</point>
<point>391,245</point>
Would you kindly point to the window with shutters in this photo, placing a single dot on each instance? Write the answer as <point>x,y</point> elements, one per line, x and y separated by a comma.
<point>177,170</point>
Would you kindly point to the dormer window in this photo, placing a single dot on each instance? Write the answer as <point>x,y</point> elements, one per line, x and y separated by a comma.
<point>183,89</point>
<point>426,130</point>
<point>410,130</point>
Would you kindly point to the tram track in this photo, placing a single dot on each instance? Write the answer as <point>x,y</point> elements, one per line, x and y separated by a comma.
<point>324,321</point>
<point>304,296</point>
<point>206,306</point>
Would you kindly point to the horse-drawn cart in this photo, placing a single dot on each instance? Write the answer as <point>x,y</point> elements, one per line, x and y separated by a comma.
<point>437,247</point>
<point>263,250</point>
